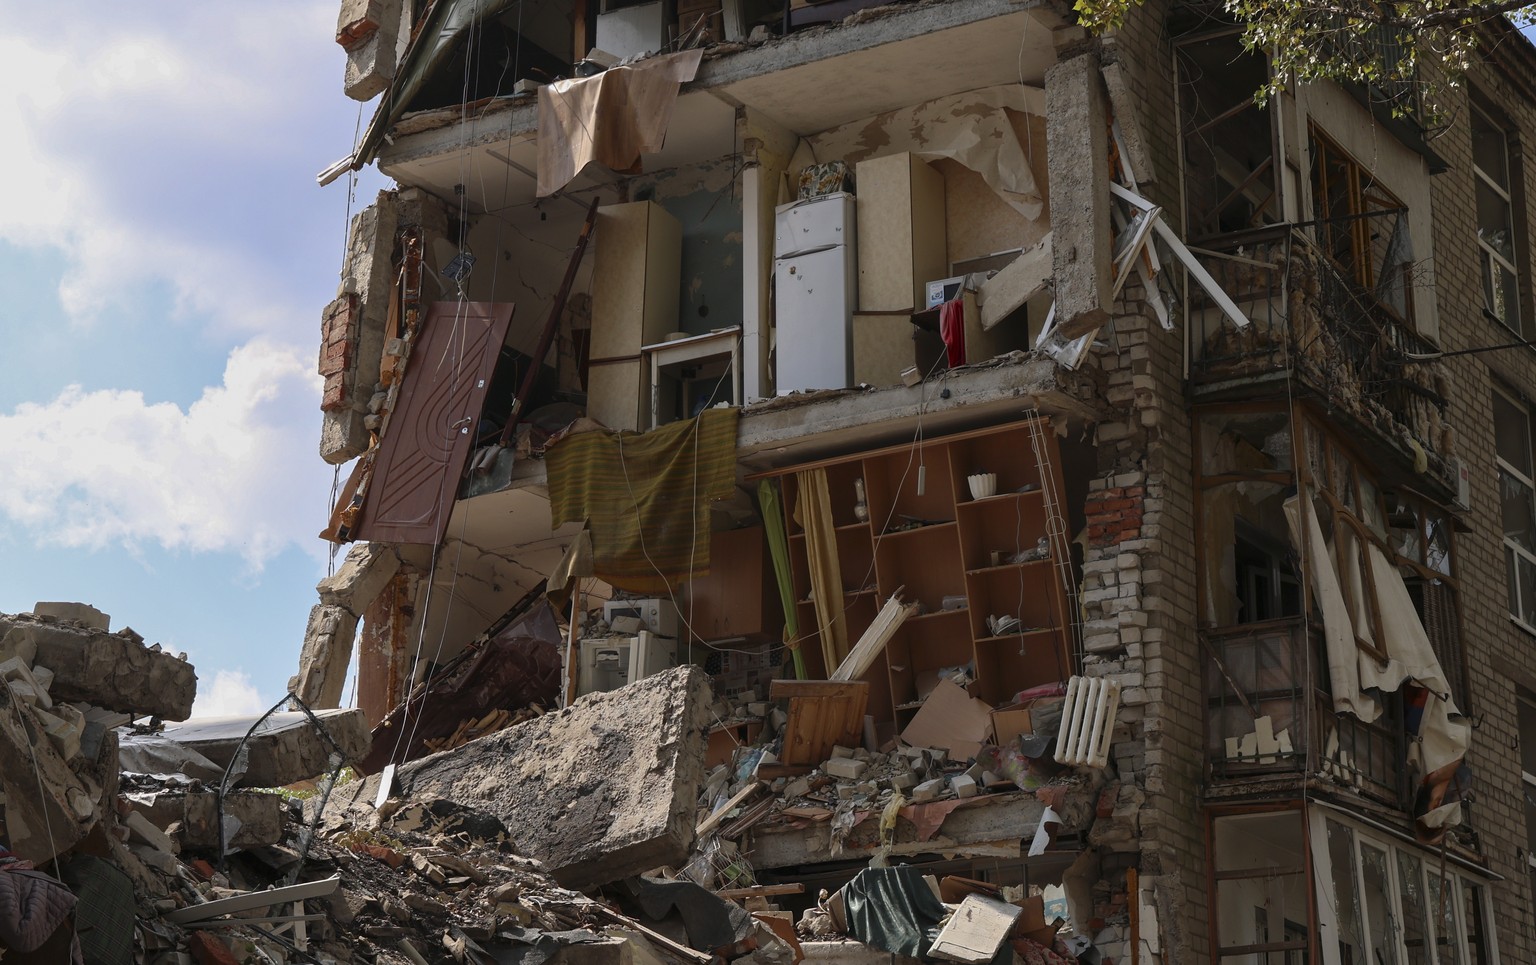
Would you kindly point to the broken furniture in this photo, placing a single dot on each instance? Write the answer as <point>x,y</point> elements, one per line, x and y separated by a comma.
<point>737,597</point>
<point>1004,555</point>
<point>635,297</point>
<point>823,714</point>
<point>687,375</point>
<point>902,242</point>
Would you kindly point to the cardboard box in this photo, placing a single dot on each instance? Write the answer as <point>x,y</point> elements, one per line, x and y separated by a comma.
<point>1009,722</point>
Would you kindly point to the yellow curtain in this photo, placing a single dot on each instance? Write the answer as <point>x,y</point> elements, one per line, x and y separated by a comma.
<point>813,511</point>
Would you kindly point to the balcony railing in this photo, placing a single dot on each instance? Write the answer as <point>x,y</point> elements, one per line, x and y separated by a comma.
<point>1333,312</point>
<point>1269,713</point>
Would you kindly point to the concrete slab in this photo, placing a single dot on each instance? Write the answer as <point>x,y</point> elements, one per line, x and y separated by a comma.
<point>284,749</point>
<point>111,670</point>
<point>325,656</point>
<point>81,613</point>
<point>602,790</point>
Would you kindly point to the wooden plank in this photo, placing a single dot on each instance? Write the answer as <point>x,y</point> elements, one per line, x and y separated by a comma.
<point>718,815</point>
<point>781,689</point>
<point>763,891</point>
<point>254,899</point>
<point>975,932</point>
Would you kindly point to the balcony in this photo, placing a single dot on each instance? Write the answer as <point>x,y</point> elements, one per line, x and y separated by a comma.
<point>1329,303</point>
<point>1269,717</point>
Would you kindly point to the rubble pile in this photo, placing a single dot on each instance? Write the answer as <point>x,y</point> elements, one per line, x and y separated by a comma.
<point>125,839</point>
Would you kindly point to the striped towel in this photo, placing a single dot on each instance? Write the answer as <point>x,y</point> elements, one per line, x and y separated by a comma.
<point>645,496</point>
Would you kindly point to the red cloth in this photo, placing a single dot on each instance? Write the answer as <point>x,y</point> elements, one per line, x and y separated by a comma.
<point>952,331</point>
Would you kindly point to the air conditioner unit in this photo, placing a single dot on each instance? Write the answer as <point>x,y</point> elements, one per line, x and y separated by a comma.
<point>608,663</point>
<point>655,614</point>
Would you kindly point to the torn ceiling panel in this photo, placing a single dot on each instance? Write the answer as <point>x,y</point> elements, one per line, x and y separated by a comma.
<point>814,96</point>
<point>973,129</point>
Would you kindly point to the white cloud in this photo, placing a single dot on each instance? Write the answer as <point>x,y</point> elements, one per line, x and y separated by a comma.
<point>234,471</point>
<point>230,695</point>
<point>173,151</point>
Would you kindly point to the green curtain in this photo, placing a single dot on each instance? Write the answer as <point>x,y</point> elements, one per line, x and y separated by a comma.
<point>778,546</point>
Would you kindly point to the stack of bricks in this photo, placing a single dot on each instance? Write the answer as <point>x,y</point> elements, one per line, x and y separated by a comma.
<point>338,343</point>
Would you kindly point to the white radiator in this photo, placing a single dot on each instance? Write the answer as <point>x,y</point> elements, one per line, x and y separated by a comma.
<point>1087,722</point>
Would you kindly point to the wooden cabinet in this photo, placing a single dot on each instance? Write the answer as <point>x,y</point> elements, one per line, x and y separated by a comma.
<point>1005,555</point>
<point>635,293</point>
<point>738,597</point>
<point>901,236</point>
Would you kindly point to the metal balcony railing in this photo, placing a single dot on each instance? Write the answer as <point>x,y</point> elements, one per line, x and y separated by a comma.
<point>1331,303</point>
<point>1269,712</point>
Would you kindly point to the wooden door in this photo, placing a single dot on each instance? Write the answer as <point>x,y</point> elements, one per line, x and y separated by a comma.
<point>431,431</point>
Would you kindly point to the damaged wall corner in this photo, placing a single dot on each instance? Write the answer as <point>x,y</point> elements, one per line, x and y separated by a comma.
<point>328,637</point>
<point>1078,146</point>
<point>384,650</point>
<point>350,361</point>
<point>370,32</point>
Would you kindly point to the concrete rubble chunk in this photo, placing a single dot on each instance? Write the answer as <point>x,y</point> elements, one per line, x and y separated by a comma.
<point>284,749</point>
<point>255,817</point>
<point>149,754</point>
<point>109,670</point>
<point>81,613</point>
<point>598,791</point>
<point>44,799</point>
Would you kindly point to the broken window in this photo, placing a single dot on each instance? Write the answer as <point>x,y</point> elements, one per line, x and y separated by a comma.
<point>1517,498</point>
<point>1229,158</point>
<point>1491,165</point>
<point>1382,902</point>
<point>1526,707</point>
<point>1260,885</point>
<point>1362,226</point>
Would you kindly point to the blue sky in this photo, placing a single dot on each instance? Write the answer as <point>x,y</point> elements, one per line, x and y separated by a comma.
<point>165,254</point>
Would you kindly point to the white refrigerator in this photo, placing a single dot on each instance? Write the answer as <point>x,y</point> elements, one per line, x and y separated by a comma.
<point>815,290</point>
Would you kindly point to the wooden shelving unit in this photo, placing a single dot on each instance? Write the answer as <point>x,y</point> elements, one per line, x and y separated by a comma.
<point>987,551</point>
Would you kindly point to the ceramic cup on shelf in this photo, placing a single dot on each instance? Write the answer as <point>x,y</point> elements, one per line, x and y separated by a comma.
<point>983,484</point>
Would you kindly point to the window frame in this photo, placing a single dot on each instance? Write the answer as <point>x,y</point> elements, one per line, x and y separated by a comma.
<point>1430,867</point>
<point>1525,719</point>
<point>1506,193</point>
<point>1517,613</point>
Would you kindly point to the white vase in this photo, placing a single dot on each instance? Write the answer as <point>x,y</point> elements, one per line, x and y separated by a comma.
<point>983,484</point>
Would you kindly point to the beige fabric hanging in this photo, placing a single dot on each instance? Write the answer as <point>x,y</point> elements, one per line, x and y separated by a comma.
<point>1338,629</point>
<point>813,511</point>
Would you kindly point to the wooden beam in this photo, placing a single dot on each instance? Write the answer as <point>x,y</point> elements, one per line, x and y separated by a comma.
<point>763,891</point>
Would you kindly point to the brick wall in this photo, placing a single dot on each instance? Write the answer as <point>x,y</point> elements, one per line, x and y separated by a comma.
<point>1501,655</point>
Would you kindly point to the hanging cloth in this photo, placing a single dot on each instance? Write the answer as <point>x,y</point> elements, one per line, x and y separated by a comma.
<point>778,548</point>
<point>813,512</point>
<point>645,496</point>
<point>952,330</point>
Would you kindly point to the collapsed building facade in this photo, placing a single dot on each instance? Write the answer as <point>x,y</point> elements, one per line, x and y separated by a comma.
<point>1069,473</point>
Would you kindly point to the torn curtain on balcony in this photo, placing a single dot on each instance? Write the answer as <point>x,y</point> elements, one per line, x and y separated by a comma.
<point>645,496</point>
<point>612,118</point>
<point>1347,600</point>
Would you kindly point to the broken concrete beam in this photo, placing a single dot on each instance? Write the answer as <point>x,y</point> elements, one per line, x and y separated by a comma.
<point>1019,281</point>
<point>23,685</point>
<point>17,642</point>
<point>1123,104</point>
<point>325,657</point>
<point>47,809</point>
<point>284,749</point>
<point>1078,160</point>
<point>371,63</point>
<point>362,576</point>
<point>145,831</point>
<point>601,790</point>
<point>81,613</point>
<point>110,670</point>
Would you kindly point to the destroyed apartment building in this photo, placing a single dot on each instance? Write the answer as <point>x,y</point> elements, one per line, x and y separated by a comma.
<point>1086,489</point>
<point>838,482</point>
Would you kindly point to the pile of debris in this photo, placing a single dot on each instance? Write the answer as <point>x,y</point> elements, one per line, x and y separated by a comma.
<point>124,839</point>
